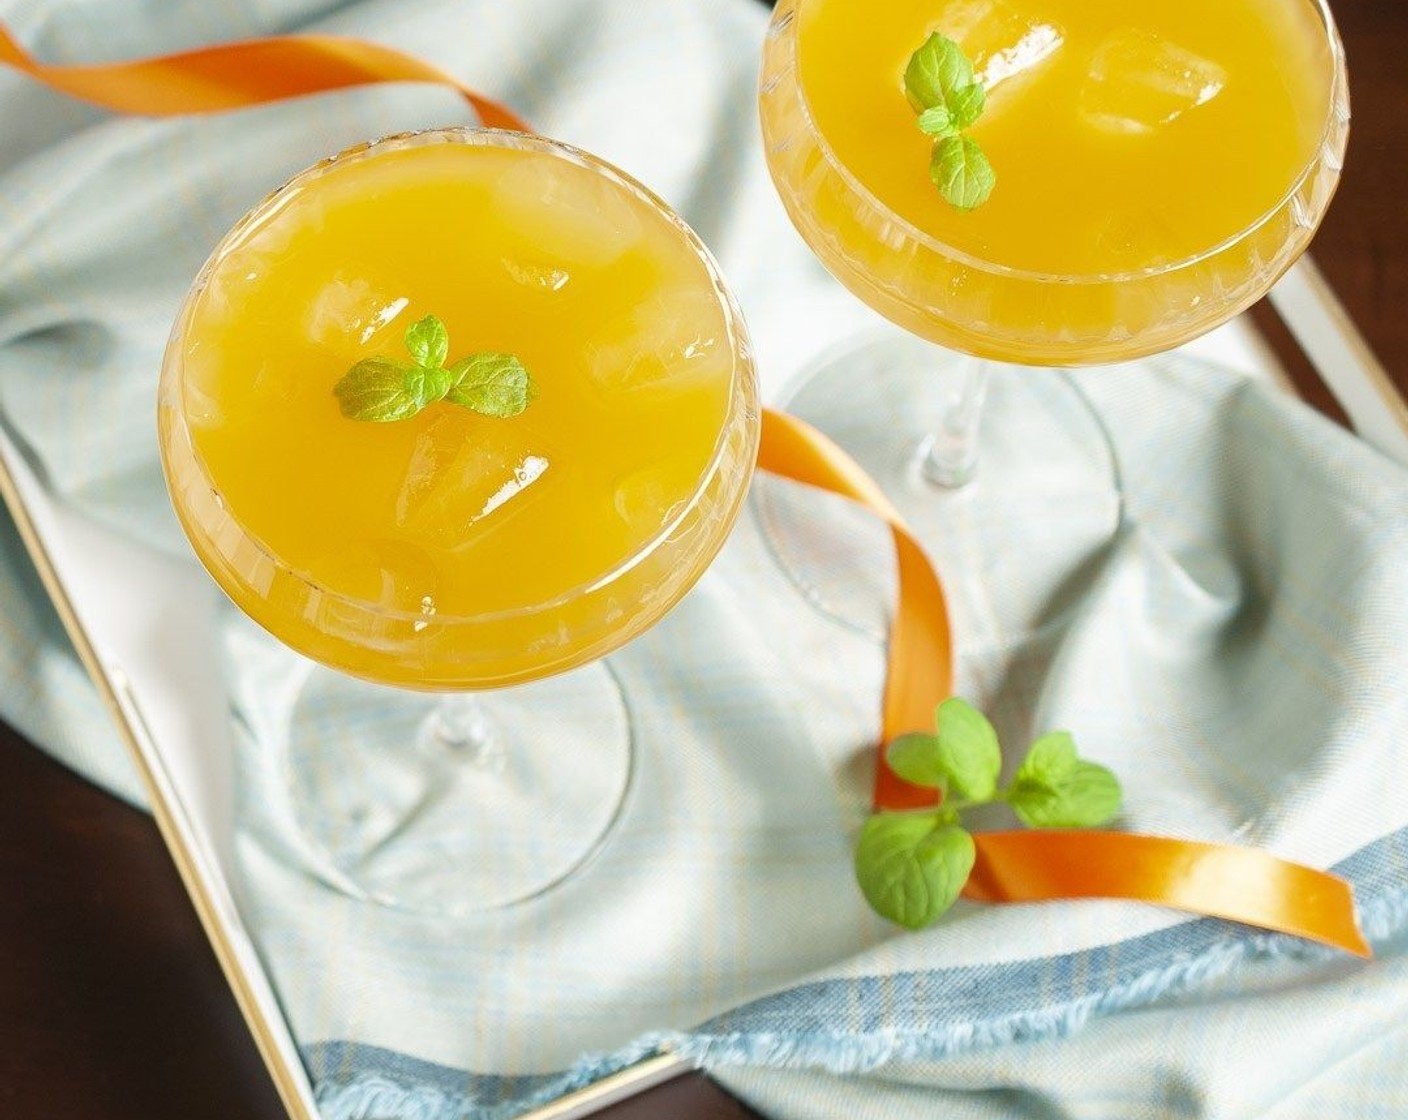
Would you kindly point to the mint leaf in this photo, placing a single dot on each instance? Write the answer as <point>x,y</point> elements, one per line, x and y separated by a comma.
<point>915,758</point>
<point>429,342</point>
<point>961,172</point>
<point>427,385</point>
<point>1050,758</point>
<point>936,71</point>
<point>1055,788</point>
<point>968,752</point>
<point>378,390</point>
<point>911,867</point>
<point>944,90</point>
<point>936,121</point>
<point>963,758</point>
<point>490,384</point>
<point>966,105</point>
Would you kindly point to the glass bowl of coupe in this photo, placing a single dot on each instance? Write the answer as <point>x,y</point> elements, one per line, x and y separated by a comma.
<point>457,411</point>
<point>1038,183</point>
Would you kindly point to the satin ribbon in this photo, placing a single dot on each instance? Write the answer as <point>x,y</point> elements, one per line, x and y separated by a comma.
<point>919,672</point>
<point>1243,884</point>
<point>237,75</point>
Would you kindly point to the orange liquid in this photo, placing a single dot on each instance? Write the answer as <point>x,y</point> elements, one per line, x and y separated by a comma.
<point>1124,133</point>
<point>1158,164</point>
<point>451,514</point>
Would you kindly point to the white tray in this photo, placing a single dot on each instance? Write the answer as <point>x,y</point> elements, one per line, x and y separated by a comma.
<point>142,625</point>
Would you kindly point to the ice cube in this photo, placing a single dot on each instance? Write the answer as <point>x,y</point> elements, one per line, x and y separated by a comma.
<point>392,573</point>
<point>225,294</point>
<point>200,385</point>
<point>215,392</point>
<point>536,277</point>
<point>467,475</point>
<point>670,335</point>
<point>1002,40</point>
<point>352,308</point>
<point>565,214</point>
<point>1139,82</point>
<point>648,499</point>
<point>1135,237</point>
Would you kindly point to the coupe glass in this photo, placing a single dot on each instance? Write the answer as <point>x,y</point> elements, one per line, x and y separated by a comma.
<point>911,411</point>
<point>458,803</point>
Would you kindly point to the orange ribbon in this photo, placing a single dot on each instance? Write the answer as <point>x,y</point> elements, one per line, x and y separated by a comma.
<point>237,75</point>
<point>1243,884</point>
<point>920,669</point>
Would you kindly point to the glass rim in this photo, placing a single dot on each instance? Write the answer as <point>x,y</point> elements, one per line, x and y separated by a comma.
<point>743,387</point>
<point>1337,95</point>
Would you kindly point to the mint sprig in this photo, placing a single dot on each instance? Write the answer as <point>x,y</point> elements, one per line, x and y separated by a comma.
<point>383,390</point>
<point>912,866</point>
<point>948,96</point>
<point>1056,789</point>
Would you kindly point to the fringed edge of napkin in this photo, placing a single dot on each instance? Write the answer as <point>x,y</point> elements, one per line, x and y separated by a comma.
<point>1225,947</point>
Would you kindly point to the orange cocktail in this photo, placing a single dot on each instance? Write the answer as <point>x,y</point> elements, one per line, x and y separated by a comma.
<point>1158,164</point>
<point>456,411</point>
<point>450,548</point>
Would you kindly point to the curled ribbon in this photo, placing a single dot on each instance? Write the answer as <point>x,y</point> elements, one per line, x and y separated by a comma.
<point>1243,884</point>
<point>237,75</point>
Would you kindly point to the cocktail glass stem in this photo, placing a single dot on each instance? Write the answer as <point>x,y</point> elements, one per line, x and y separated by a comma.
<point>1046,455</point>
<point>949,453</point>
<point>460,804</point>
<point>461,725</point>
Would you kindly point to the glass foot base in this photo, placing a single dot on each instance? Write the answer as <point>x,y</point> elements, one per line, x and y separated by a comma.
<point>457,804</point>
<point>1041,498</point>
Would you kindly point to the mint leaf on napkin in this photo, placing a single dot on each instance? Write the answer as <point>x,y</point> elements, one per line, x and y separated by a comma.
<point>915,758</point>
<point>962,758</point>
<point>1054,788</point>
<point>912,866</point>
<point>968,750</point>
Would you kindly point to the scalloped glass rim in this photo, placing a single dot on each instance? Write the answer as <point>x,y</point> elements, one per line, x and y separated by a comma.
<point>743,392</point>
<point>1339,95</point>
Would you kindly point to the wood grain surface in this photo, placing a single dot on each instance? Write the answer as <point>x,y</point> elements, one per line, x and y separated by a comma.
<point>111,1003</point>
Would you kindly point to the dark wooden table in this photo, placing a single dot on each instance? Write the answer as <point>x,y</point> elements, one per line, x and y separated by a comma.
<point>111,1003</point>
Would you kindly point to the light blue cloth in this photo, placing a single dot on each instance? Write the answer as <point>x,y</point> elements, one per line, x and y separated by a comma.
<point>1229,639</point>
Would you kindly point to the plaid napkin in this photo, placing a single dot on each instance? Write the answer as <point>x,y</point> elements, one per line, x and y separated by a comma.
<point>1215,603</point>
